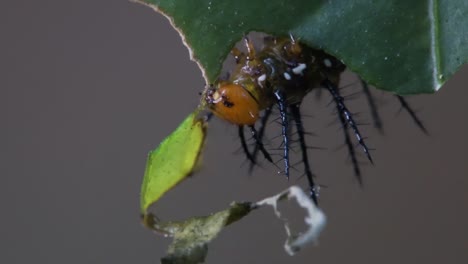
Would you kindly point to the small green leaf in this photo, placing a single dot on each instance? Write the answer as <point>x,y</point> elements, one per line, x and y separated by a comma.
<point>173,160</point>
<point>406,47</point>
<point>191,236</point>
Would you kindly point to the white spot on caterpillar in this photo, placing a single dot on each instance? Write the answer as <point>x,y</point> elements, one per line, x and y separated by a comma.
<point>299,69</point>
<point>262,78</point>
<point>217,97</point>
<point>287,76</point>
<point>327,63</point>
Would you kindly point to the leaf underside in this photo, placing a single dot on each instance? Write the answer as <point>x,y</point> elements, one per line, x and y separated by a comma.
<point>406,47</point>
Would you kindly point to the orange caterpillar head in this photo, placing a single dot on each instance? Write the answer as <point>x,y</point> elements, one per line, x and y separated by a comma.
<point>233,103</point>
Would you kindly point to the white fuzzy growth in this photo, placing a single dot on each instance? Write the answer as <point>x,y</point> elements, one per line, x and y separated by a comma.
<point>315,218</point>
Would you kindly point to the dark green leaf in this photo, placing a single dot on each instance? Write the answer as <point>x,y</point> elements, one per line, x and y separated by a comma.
<point>406,47</point>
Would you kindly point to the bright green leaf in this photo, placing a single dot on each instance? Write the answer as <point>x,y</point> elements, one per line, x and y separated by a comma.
<point>407,47</point>
<point>173,160</point>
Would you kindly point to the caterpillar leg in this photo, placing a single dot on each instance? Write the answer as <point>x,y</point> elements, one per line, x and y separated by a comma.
<point>296,114</point>
<point>377,121</point>
<point>349,144</point>
<point>282,105</point>
<point>343,111</point>
<point>261,133</point>
<point>244,145</point>
<point>259,144</point>
<point>405,105</point>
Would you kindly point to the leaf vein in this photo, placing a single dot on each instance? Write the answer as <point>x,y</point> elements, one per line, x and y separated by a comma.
<point>435,47</point>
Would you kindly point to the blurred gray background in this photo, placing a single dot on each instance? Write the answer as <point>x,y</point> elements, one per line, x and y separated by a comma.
<point>87,88</point>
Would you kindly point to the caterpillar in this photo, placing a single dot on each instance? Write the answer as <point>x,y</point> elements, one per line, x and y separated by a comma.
<point>280,75</point>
